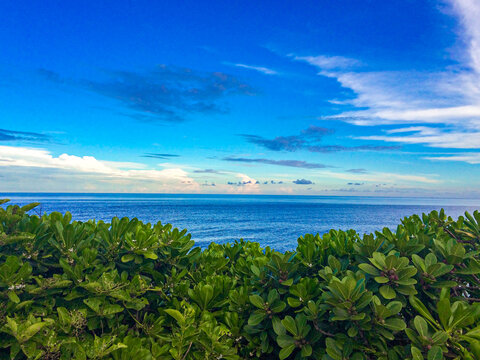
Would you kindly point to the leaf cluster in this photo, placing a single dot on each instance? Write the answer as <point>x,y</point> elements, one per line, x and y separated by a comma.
<point>133,290</point>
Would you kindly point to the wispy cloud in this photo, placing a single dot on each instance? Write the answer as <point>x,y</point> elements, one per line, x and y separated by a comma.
<point>290,163</point>
<point>471,158</point>
<point>385,177</point>
<point>328,62</point>
<point>11,135</point>
<point>160,156</point>
<point>335,148</point>
<point>286,143</point>
<point>207,171</point>
<point>451,137</point>
<point>308,140</point>
<point>426,99</point>
<point>263,70</point>
<point>357,171</point>
<point>165,93</point>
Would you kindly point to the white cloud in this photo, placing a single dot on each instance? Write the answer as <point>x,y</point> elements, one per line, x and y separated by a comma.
<point>432,137</point>
<point>471,158</point>
<point>450,97</point>
<point>468,12</point>
<point>383,177</point>
<point>328,62</point>
<point>87,170</point>
<point>261,69</point>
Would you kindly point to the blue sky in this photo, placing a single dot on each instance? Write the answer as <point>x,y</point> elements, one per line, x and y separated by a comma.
<point>378,98</point>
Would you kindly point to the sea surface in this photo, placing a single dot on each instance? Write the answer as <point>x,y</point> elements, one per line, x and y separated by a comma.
<point>275,221</point>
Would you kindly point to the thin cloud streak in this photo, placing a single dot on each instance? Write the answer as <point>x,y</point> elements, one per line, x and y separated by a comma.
<point>289,163</point>
<point>207,171</point>
<point>471,158</point>
<point>160,156</point>
<point>261,69</point>
<point>12,135</point>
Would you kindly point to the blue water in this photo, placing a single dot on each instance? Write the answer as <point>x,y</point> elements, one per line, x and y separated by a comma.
<point>275,221</point>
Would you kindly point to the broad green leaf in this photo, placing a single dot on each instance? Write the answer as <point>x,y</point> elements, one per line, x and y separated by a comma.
<point>422,310</point>
<point>285,340</point>
<point>127,258</point>
<point>306,350</point>
<point>421,325</point>
<point>256,318</point>
<point>290,325</point>
<point>369,269</point>
<point>435,353</point>
<point>387,292</point>
<point>32,330</point>
<point>417,354</point>
<point>176,315</point>
<point>285,352</point>
<point>257,301</point>
<point>13,297</point>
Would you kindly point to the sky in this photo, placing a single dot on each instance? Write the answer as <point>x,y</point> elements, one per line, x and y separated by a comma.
<point>344,97</point>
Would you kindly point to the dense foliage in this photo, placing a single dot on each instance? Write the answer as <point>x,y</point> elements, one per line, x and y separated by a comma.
<point>129,290</point>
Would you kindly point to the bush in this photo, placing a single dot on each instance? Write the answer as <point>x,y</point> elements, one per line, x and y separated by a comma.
<point>129,290</point>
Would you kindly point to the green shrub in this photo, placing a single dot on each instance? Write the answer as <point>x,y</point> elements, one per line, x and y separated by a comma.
<point>129,290</point>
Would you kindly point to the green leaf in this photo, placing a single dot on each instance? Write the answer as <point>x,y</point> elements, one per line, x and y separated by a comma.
<point>150,255</point>
<point>444,312</point>
<point>176,315</point>
<point>13,297</point>
<point>256,318</point>
<point>421,325</point>
<point>63,316</point>
<point>285,352</point>
<point>127,258</point>
<point>435,353</point>
<point>278,306</point>
<point>333,350</point>
<point>379,259</point>
<point>12,324</point>
<point>93,303</point>
<point>290,325</point>
<point>285,340</point>
<point>257,301</point>
<point>475,333</point>
<point>112,309</point>
<point>381,279</point>
<point>352,332</point>
<point>292,302</point>
<point>395,324</point>
<point>422,310</point>
<point>306,350</point>
<point>417,354</point>
<point>387,292</point>
<point>29,207</point>
<point>277,326</point>
<point>32,330</point>
<point>369,269</point>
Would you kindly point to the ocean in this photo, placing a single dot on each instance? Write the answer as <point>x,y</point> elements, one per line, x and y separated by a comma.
<point>275,221</point>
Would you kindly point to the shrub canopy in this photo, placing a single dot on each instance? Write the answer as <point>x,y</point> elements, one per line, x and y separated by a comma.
<point>129,290</point>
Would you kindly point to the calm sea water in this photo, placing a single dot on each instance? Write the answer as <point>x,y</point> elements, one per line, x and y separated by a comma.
<point>275,221</point>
